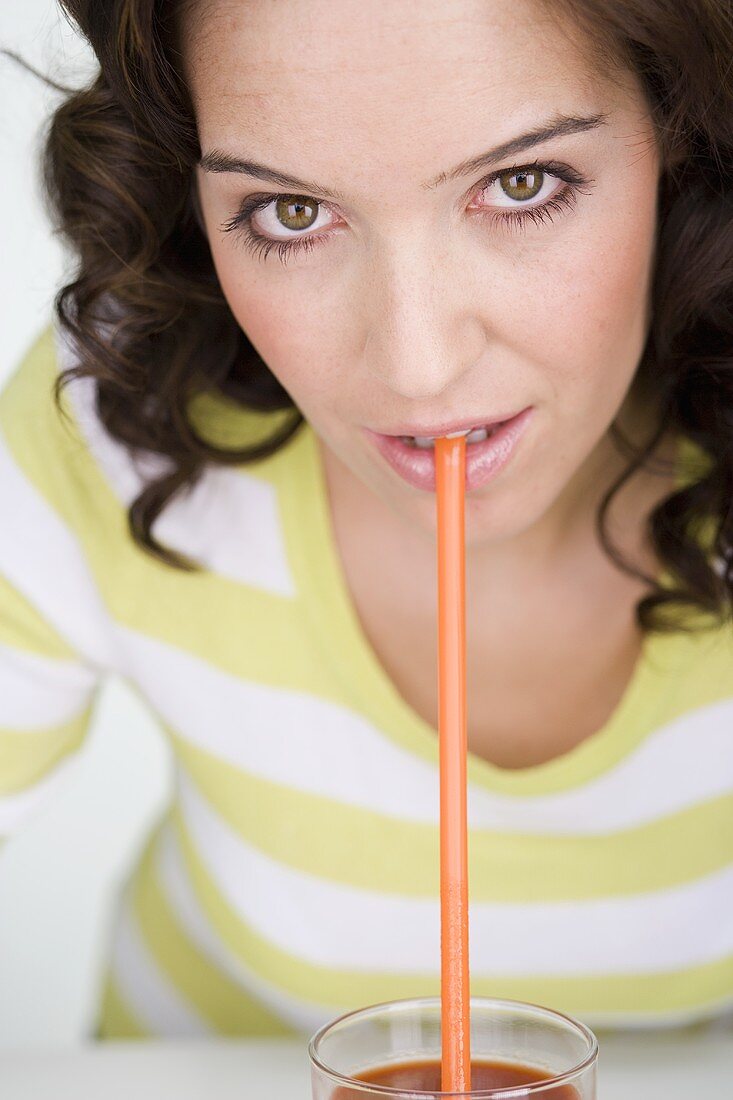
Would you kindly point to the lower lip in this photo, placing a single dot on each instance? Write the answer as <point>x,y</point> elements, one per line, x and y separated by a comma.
<point>483,460</point>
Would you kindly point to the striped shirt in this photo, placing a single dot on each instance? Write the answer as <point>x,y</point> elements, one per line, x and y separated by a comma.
<point>295,874</point>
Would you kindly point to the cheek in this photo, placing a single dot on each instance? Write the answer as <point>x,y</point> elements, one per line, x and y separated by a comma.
<point>290,326</point>
<point>594,317</point>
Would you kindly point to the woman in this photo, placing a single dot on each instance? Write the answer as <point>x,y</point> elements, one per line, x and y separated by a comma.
<point>311,238</point>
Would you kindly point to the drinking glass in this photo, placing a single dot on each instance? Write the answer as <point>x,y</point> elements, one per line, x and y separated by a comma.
<point>408,1031</point>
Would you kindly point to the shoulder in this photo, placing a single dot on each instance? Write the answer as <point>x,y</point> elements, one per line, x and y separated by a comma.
<point>28,409</point>
<point>59,447</point>
<point>40,441</point>
<point>693,670</point>
<point>230,521</point>
<point>46,499</point>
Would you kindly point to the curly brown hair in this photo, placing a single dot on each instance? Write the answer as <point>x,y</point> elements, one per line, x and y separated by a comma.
<point>118,171</point>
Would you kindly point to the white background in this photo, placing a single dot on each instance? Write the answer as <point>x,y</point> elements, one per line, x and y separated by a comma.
<point>58,876</point>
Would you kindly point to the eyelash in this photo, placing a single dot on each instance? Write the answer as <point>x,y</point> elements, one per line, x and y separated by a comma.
<point>261,246</point>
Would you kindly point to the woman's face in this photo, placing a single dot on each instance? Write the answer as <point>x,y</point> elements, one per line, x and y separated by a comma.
<point>424,301</point>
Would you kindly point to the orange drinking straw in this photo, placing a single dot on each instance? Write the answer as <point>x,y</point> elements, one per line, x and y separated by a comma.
<point>450,475</point>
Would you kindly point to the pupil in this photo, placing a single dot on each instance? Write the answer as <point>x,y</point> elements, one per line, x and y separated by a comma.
<point>300,212</point>
<point>523,184</point>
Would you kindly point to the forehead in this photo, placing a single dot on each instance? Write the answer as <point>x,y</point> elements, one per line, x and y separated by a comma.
<point>330,83</point>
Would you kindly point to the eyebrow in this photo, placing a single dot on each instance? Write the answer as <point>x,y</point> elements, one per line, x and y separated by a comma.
<point>558,126</point>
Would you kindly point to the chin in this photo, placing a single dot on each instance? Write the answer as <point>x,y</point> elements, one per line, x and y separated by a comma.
<point>503,513</point>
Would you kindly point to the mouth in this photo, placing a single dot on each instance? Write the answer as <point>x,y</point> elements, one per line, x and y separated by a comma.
<point>472,435</point>
<point>489,447</point>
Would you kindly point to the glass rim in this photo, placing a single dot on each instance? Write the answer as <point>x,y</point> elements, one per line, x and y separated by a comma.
<point>532,1089</point>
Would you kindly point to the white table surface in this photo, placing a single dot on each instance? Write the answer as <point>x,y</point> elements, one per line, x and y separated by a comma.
<point>642,1067</point>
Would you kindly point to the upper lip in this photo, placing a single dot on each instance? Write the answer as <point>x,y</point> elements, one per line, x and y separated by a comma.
<point>433,431</point>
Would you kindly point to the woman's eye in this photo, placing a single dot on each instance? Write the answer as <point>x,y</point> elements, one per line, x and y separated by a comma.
<point>289,215</point>
<point>520,194</point>
<point>519,190</point>
<point>531,193</point>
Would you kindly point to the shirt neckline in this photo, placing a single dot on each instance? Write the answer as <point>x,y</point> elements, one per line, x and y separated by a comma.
<point>366,685</point>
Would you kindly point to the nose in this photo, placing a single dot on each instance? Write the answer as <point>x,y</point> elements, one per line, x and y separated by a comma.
<point>425,336</point>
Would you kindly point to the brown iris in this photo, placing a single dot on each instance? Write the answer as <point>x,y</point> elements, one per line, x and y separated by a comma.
<point>298,210</point>
<point>528,183</point>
